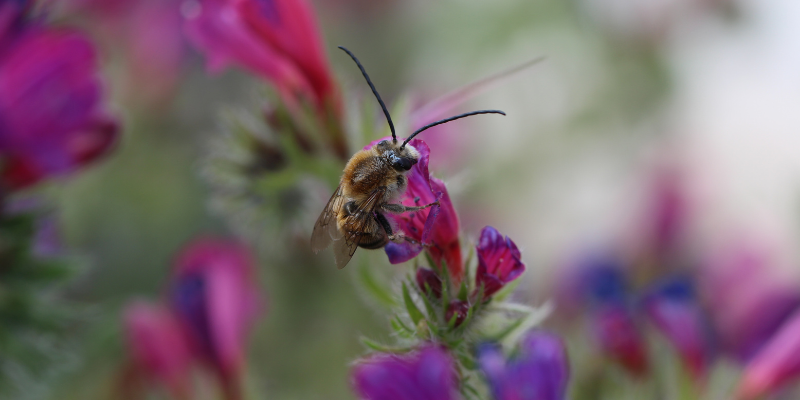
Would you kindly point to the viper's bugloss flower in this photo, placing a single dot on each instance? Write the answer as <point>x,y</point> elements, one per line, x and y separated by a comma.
<point>499,261</point>
<point>434,228</point>
<point>427,374</point>
<point>619,337</point>
<point>279,40</point>
<point>747,303</point>
<point>11,16</point>
<point>52,119</point>
<point>426,277</point>
<point>214,295</point>
<point>775,365</point>
<point>458,309</point>
<point>158,346</point>
<point>539,372</point>
<point>673,307</point>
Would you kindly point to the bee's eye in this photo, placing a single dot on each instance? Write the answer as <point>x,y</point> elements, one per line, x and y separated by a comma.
<point>403,164</point>
<point>383,143</point>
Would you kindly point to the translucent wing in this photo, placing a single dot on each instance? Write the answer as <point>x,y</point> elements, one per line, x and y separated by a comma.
<point>357,225</point>
<point>326,228</point>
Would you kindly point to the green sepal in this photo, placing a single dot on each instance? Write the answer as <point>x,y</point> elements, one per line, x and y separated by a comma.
<point>413,311</point>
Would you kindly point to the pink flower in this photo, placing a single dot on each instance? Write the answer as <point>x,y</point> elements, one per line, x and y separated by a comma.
<point>51,116</point>
<point>616,332</point>
<point>158,346</point>
<point>426,277</point>
<point>499,261</point>
<point>435,228</point>
<point>673,308</point>
<point>459,309</point>
<point>777,364</point>
<point>428,374</point>
<point>214,295</point>
<point>278,40</point>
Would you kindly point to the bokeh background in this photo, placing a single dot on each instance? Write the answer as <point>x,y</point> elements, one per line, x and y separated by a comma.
<point>706,89</point>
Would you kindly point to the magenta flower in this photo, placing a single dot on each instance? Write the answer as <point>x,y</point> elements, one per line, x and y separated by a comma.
<point>459,309</point>
<point>435,228</point>
<point>619,337</point>
<point>51,116</point>
<point>539,372</point>
<point>213,293</point>
<point>673,308</point>
<point>499,261</point>
<point>278,40</point>
<point>158,347</point>
<point>427,374</point>
<point>777,364</point>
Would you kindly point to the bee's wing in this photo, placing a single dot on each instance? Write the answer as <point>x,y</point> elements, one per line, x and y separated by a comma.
<point>326,228</point>
<point>354,227</point>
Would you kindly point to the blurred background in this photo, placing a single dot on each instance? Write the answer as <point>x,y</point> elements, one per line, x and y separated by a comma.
<point>705,92</point>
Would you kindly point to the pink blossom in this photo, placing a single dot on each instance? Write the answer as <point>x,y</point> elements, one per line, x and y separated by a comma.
<point>776,364</point>
<point>616,332</point>
<point>51,116</point>
<point>499,261</point>
<point>214,295</point>
<point>435,228</point>
<point>158,346</point>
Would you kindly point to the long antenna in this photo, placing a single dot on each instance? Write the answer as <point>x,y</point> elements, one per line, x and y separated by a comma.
<point>374,91</point>
<point>432,124</point>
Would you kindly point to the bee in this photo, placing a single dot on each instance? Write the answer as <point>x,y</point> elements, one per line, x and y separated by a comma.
<point>373,181</point>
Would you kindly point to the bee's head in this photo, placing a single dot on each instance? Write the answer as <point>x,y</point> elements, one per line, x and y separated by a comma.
<point>400,157</point>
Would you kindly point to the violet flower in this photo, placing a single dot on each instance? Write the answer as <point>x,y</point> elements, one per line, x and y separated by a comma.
<point>539,372</point>
<point>673,308</point>
<point>158,347</point>
<point>215,298</point>
<point>434,228</point>
<point>775,365</point>
<point>499,261</point>
<point>427,374</point>
<point>51,116</point>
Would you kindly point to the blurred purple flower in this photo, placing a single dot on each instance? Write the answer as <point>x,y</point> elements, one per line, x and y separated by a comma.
<point>213,293</point>
<point>435,227</point>
<point>747,303</point>
<point>51,116</point>
<point>426,276</point>
<point>775,365</point>
<point>539,372</point>
<point>427,374</point>
<point>158,346</point>
<point>499,261</point>
<point>673,308</point>
<point>11,15</point>
<point>616,332</point>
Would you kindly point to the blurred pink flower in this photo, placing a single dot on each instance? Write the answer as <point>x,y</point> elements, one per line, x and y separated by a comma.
<point>158,346</point>
<point>214,295</point>
<point>51,116</point>
<point>436,227</point>
<point>776,364</point>
<point>673,308</point>
<point>427,374</point>
<point>747,303</point>
<point>279,40</point>
<point>499,261</point>
<point>616,332</point>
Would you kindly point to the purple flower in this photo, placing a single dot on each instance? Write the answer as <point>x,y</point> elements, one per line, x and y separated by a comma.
<point>539,372</point>
<point>617,334</point>
<point>436,227</point>
<point>158,347</point>
<point>428,374</point>
<point>673,308</point>
<point>214,296</point>
<point>51,116</point>
<point>499,261</point>
<point>775,365</point>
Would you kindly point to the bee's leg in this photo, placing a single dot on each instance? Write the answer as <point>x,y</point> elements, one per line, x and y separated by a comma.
<point>399,208</point>
<point>387,227</point>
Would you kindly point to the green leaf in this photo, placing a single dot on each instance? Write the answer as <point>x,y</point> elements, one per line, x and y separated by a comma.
<point>463,292</point>
<point>413,311</point>
<point>379,292</point>
<point>506,291</point>
<point>373,345</point>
